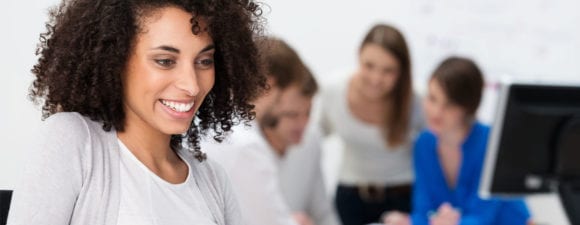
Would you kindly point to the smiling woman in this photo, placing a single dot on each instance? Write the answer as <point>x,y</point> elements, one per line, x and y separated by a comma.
<point>168,75</point>
<point>376,117</point>
<point>128,88</point>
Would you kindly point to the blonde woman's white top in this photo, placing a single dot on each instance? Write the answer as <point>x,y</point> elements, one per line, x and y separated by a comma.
<point>367,158</point>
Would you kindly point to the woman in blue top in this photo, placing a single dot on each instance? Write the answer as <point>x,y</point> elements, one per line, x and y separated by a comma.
<point>448,157</point>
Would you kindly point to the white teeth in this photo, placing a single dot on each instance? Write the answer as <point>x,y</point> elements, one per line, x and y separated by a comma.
<point>178,106</point>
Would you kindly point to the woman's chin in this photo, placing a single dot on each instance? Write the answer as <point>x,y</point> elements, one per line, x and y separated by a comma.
<point>435,129</point>
<point>176,129</point>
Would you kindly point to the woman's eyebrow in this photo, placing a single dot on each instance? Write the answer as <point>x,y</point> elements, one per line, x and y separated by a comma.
<point>168,48</point>
<point>207,48</point>
<point>175,50</point>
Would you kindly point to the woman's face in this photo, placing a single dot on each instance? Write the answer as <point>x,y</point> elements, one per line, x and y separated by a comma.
<point>168,74</point>
<point>442,115</point>
<point>378,71</point>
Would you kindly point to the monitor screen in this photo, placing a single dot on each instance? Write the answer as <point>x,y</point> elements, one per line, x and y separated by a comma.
<point>535,140</point>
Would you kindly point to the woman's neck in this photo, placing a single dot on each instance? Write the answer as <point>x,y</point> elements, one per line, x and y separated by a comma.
<point>152,148</point>
<point>148,145</point>
<point>454,138</point>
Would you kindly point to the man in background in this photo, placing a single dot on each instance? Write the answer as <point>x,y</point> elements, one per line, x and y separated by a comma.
<point>254,155</point>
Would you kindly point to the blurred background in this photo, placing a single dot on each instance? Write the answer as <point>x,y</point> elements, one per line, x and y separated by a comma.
<point>519,39</point>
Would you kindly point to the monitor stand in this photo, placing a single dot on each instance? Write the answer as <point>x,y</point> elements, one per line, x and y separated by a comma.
<point>569,193</point>
<point>568,168</point>
<point>5,197</point>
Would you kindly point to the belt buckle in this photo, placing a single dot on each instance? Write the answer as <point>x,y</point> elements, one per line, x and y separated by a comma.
<point>371,193</point>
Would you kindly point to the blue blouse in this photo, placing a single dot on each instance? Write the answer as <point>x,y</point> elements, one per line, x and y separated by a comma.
<point>431,189</point>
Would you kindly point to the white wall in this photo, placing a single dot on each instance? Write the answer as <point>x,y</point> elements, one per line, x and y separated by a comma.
<point>21,22</point>
<point>520,38</point>
<point>532,38</point>
<point>536,39</point>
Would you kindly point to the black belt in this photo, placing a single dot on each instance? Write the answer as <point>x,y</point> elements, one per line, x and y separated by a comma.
<point>377,193</point>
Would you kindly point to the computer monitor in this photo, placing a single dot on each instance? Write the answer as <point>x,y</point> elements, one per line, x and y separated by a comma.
<point>534,145</point>
<point>5,198</point>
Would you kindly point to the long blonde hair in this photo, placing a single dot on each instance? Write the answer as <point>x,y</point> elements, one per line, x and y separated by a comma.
<point>396,123</point>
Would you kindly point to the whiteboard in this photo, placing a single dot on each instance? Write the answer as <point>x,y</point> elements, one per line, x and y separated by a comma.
<point>530,39</point>
<point>521,38</point>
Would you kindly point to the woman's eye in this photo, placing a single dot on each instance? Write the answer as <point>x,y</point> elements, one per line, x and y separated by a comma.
<point>205,63</point>
<point>390,71</point>
<point>165,62</point>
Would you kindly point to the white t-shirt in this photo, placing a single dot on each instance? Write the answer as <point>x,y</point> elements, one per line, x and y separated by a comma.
<point>252,166</point>
<point>367,158</point>
<point>147,199</point>
<point>301,180</point>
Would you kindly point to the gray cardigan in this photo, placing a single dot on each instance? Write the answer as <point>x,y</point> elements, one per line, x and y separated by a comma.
<point>73,178</point>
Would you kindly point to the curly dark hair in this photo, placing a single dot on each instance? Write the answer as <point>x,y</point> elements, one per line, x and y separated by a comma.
<point>85,49</point>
